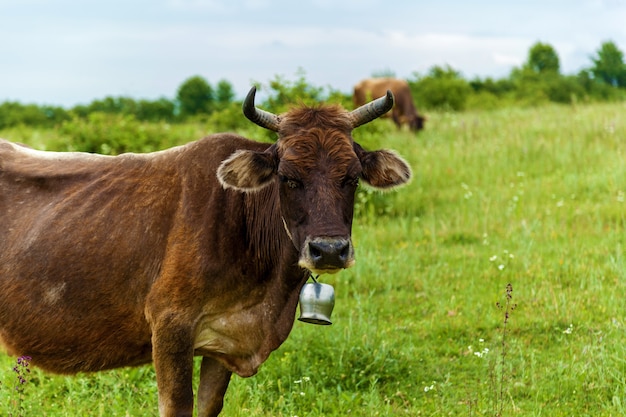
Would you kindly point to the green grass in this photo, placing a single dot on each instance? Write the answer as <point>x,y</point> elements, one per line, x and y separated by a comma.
<point>531,197</point>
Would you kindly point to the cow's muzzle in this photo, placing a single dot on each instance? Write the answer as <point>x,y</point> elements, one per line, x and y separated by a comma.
<point>325,255</point>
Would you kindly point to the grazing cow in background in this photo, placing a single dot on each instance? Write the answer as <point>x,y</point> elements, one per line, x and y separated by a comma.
<point>404,111</point>
<point>202,249</point>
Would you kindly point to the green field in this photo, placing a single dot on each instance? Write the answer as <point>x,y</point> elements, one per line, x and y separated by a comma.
<point>535,198</point>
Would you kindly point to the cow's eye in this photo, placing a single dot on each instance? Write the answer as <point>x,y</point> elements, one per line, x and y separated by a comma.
<point>352,181</point>
<point>290,182</point>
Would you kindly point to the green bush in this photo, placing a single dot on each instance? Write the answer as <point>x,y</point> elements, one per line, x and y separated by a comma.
<point>442,89</point>
<point>536,88</point>
<point>112,134</point>
<point>145,110</point>
<point>283,94</point>
<point>228,118</point>
<point>483,100</point>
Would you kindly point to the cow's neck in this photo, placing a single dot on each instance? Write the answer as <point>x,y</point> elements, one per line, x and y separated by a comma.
<point>273,248</point>
<point>268,240</point>
<point>260,322</point>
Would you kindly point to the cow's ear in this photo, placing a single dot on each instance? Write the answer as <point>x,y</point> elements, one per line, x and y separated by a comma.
<point>383,169</point>
<point>247,170</point>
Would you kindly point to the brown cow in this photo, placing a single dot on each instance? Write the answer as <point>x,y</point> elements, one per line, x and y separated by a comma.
<point>201,249</point>
<point>404,111</point>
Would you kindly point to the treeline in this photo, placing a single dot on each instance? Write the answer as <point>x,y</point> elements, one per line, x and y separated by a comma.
<point>538,80</point>
<point>194,97</point>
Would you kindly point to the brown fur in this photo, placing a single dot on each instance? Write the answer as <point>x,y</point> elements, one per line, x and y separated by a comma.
<point>115,261</point>
<point>403,112</point>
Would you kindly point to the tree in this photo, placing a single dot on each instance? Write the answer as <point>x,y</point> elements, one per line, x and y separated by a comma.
<point>609,65</point>
<point>384,73</point>
<point>14,113</point>
<point>195,96</point>
<point>543,59</point>
<point>225,93</point>
<point>539,79</point>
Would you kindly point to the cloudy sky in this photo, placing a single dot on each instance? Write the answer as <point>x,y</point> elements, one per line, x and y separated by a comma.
<point>66,52</point>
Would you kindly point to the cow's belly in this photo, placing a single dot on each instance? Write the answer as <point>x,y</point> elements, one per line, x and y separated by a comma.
<point>60,352</point>
<point>239,340</point>
<point>68,332</point>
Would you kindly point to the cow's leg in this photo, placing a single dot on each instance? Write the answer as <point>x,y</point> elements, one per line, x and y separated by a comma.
<point>172,352</point>
<point>214,379</point>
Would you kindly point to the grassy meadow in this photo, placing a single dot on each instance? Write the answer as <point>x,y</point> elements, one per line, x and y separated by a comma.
<point>424,324</point>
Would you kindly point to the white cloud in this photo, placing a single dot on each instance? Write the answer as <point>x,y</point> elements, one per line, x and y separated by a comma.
<point>507,60</point>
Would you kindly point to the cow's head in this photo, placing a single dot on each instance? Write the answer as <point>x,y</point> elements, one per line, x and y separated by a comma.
<point>417,122</point>
<point>318,166</point>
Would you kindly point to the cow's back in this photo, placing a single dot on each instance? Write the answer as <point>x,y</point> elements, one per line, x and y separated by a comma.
<point>373,88</point>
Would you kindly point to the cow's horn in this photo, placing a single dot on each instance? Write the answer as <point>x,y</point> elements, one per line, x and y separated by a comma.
<point>260,117</point>
<point>370,111</point>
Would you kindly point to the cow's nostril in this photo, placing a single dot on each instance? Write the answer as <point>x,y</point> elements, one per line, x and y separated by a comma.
<point>315,251</point>
<point>345,252</point>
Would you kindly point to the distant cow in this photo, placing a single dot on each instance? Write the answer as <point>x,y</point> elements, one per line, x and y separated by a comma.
<point>404,111</point>
<point>202,249</point>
